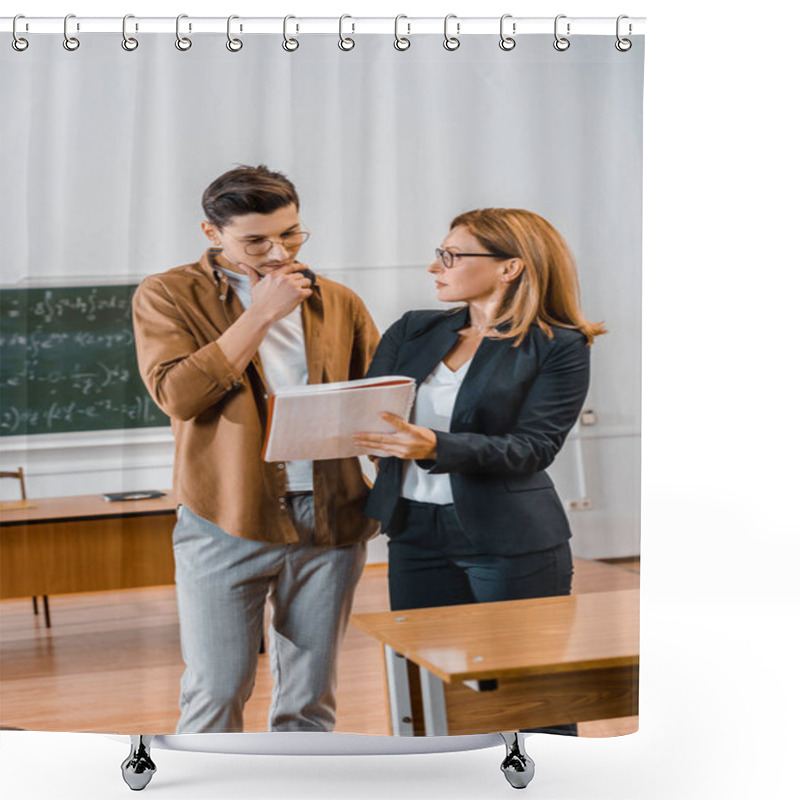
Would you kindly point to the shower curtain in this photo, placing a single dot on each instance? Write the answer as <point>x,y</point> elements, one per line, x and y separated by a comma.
<point>105,156</point>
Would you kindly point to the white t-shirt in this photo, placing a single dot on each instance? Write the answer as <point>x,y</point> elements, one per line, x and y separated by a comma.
<point>283,356</point>
<point>433,409</point>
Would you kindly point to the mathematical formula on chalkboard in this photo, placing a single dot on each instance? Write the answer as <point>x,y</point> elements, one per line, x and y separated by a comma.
<point>69,362</point>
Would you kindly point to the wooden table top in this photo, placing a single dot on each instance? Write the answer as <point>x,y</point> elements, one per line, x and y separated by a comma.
<point>515,638</point>
<point>87,506</point>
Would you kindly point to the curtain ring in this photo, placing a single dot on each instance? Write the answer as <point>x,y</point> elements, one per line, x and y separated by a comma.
<point>623,45</point>
<point>289,44</point>
<point>451,42</point>
<point>345,42</point>
<point>70,42</point>
<point>234,45</point>
<point>128,42</point>
<point>507,42</point>
<point>561,43</point>
<point>18,43</point>
<point>182,42</point>
<point>401,42</point>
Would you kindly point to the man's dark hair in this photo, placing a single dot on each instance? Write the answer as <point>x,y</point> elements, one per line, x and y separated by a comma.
<point>247,190</point>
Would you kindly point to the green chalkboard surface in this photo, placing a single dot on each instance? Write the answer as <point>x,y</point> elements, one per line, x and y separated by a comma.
<point>68,362</point>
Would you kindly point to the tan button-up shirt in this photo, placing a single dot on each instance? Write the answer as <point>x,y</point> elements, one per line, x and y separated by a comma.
<point>219,416</point>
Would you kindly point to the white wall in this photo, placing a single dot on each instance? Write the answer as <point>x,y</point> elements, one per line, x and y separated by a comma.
<point>385,149</point>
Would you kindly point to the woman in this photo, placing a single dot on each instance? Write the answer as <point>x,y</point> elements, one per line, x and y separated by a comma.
<point>462,490</point>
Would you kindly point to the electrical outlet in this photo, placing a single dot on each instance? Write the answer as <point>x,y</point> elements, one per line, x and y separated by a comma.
<point>584,504</point>
<point>588,417</point>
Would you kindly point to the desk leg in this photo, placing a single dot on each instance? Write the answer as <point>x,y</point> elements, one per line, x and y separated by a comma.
<point>399,693</point>
<point>434,703</point>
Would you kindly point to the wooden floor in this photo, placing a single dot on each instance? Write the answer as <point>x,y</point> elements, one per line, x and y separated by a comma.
<point>112,663</point>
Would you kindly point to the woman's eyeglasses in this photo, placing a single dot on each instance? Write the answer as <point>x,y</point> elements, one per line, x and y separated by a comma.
<point>448,257</point>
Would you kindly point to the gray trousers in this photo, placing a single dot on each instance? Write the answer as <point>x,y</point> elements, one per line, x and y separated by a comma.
<point>222,585</point>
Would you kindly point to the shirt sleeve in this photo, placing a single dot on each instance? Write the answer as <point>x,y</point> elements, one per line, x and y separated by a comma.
<point>183,378</point>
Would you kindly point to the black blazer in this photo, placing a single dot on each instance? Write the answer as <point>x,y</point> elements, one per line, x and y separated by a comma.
<point>512,414</point>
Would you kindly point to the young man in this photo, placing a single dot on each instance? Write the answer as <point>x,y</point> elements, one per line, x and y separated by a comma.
<point>213,339</point>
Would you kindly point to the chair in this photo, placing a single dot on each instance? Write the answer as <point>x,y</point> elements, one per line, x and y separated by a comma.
<point>19,474</point>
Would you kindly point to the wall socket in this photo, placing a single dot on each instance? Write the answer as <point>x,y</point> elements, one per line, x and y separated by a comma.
<point>584,504</point>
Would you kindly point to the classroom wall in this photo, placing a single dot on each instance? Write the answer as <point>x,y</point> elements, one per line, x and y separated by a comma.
<point>116,196</point>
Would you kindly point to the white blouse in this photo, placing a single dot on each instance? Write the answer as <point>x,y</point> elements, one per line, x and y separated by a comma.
<point>433,409</point>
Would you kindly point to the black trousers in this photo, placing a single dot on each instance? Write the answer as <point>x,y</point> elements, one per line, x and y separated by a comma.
<point>432,563</point>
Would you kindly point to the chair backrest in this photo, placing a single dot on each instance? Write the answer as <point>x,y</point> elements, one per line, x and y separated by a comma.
<point>20,476</point>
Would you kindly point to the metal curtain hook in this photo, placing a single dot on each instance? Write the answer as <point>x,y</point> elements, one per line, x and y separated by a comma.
<point>234,45</point>
<point>561,43</point>
<point>70,42</point>
<point>128,42</point>
<point>18,43</point>
<point>289,44</point>
<point>623,45</point>
<point>451,42</point>
<point>507,42</point>
<point>345,42</point>
<point>401,42</point>
<point>182,42</point>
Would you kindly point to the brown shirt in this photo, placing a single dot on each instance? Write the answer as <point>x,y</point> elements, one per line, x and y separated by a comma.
<point>219,416</point>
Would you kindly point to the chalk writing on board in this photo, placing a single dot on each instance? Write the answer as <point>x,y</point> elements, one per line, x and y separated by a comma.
<point>86,380</point>
<point>88,307</point>
<point>69,362</point>
<point>141,410</point>
<point>37,340</point>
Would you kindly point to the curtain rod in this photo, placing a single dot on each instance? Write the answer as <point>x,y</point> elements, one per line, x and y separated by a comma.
<point>459,26</point>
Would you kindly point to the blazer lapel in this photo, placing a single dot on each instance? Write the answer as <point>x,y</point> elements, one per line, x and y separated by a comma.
<point>421,355</point>
<point>487,358</point>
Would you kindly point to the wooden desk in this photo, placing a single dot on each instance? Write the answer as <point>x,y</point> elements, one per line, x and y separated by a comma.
<point>510,665</point>
<point>85,544</point>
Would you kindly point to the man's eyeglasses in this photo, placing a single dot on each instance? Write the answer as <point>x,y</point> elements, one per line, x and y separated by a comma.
<point>263,244</point>
<point>448,257</point>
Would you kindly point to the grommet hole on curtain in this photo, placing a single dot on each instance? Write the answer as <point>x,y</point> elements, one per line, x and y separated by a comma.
<point>17,42</point>
<point>70,42</point>
<point>182,42</point>
<point>451,43</point>
<point>128,42</point>
<point>623,45</point>
<point>346,43</point>
<point>561,43</point>
<point>289,43</point>
<point>401,43</point>
<point>234,45</point>
<point>507,42</point>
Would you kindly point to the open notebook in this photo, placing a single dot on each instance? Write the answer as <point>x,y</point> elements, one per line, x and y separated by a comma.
<point>317,422</point>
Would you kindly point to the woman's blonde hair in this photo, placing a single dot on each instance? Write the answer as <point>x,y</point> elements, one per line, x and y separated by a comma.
<point>546,292</point>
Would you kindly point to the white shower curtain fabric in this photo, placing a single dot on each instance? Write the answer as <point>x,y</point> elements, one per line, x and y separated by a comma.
<point>105,155</point>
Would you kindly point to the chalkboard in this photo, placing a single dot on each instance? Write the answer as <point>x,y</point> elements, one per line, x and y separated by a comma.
<point>68,362</point>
